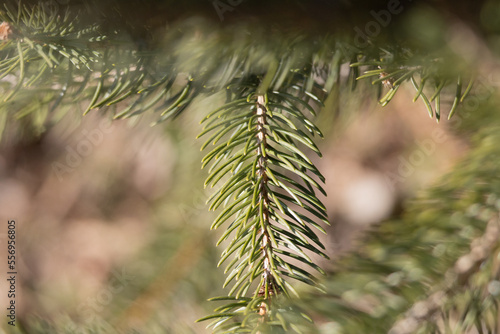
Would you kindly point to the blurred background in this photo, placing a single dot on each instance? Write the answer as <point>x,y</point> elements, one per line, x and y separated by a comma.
<point>112,226</point>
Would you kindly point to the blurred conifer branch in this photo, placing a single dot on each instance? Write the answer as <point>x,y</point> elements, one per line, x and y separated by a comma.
<point>435,270</point>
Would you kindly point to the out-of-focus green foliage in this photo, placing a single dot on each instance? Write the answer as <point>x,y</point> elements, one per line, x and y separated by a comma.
<point>434,270</point>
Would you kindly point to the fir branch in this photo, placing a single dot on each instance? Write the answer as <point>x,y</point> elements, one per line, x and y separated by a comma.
<point>260,146</point>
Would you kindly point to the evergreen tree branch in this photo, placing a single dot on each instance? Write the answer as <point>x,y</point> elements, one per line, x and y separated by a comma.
<point>270,213</point>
